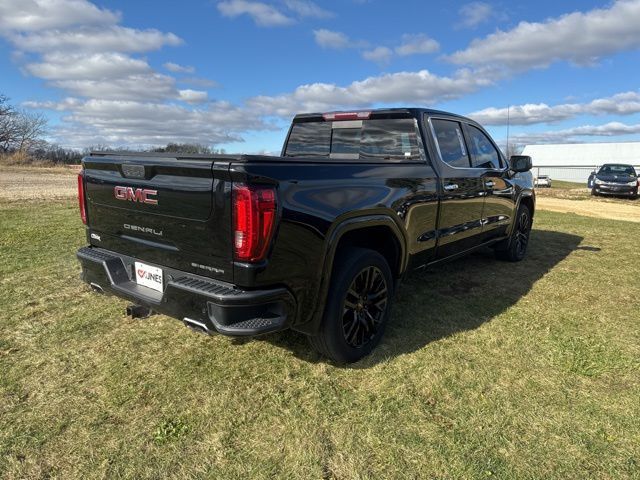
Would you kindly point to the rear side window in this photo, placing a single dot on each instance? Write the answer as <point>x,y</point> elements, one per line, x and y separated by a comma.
<point>451,143</point>
<point>483,153</point>
<point>365,140</point>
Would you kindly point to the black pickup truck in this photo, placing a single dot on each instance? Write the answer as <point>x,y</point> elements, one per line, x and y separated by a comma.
<point>316,239</point>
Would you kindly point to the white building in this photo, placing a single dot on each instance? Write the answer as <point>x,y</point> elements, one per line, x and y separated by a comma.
<point>575,161</point>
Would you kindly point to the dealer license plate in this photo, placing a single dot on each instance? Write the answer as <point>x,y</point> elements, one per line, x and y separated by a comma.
<point>149,276</point>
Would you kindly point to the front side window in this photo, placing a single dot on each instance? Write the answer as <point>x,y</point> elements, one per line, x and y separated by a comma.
<point>451,143</point>
<point>483,153</point>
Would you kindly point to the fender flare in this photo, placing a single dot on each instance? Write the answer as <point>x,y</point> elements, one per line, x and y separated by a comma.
<point>334,235</point>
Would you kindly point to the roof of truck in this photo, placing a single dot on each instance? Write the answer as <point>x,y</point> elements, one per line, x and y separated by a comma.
<point>376,112</point>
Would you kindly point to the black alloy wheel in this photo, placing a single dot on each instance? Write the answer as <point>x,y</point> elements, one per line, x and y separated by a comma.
<point>364,307</point>
<point>514,248</point>
<point>523,229</point>
<point>358,305</point>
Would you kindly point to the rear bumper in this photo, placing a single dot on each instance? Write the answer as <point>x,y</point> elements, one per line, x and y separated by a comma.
<point>198,301</point>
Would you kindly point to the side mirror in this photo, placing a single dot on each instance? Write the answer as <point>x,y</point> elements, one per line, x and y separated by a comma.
<point>520,163</point>
<point>593,173</point>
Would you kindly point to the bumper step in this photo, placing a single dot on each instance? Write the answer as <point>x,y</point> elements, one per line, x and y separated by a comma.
<point>202,303</point>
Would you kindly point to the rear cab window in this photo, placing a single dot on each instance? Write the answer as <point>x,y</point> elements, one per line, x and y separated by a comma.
<point>391,139</point>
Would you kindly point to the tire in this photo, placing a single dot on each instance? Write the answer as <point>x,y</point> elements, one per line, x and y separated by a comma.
<point>516,248</point>
<point>353,322</point>
<point>593,192</point>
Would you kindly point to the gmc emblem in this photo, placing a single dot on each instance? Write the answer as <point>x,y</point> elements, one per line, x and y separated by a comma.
<point>141,195</point>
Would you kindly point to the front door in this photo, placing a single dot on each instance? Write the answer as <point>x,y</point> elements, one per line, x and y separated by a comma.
<point>499,203</point>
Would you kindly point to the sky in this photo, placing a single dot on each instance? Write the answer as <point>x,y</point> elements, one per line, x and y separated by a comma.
<point>232,73</point>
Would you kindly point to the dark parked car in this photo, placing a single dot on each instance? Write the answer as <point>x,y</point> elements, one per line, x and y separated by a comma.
<point>314,240</point>
<point>615,179</point>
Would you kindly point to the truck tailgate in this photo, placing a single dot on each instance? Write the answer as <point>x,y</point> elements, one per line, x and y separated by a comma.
<point>164,211</point>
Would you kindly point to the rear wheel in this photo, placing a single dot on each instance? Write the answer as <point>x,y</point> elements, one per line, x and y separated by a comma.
<point>516,247</point>
<point>358,306</point>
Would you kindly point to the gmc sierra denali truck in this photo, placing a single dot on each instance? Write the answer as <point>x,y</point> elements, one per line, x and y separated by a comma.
<point>316,239</point>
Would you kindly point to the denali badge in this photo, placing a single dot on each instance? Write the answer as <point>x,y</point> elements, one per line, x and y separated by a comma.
<point>142,195</point>
<point>137,228</point>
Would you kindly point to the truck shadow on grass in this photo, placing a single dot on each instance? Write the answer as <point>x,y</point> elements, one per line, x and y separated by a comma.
<point>454,297</point>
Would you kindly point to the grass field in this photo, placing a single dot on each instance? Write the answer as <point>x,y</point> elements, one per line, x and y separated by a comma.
<point>488,370</point>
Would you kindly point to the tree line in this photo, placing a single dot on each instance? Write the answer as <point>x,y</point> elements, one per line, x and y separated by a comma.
<point>23,140</point>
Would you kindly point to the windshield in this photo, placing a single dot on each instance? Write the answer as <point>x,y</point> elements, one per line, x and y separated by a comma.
<point>617,170</point>
<point>365,140</point>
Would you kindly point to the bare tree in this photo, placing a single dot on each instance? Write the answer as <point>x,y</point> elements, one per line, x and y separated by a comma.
<point>30,128</point>
<point>20,130</point>
<point>7,124</point>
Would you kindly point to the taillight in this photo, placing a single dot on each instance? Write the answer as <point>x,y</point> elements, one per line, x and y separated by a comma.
<point>81,200</point>
<point>254,211</point>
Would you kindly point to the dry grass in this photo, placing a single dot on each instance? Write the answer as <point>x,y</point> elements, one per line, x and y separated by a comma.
<point>628,211</point>
<point>488,370</point>
<point>32,183</point>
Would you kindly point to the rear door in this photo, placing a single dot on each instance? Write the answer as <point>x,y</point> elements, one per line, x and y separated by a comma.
<point>462,189</point>
<point>165,211</point>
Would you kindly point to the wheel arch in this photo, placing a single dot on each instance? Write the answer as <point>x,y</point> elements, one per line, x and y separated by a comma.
<point>377,232</point>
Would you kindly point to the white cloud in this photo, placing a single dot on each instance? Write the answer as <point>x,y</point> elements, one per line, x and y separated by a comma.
<point>262,14</point>
<point>581,38</point>
<point>113,97</point>
<point>151,86</point>
<point>378,54</point>
<point>33,15</point>
<point>306,8</point>
<point>94,39</point>
<point>177,68</point>
<point>474,13</point>
<point>417,44</point>
<point>192,96</point>
<point>420,88</point>
<point>411,45</point>
<point>330,39</point>
<point>134,123</point>
<point>626,103</point>
<point>611,129</point>
<point>65,66</point>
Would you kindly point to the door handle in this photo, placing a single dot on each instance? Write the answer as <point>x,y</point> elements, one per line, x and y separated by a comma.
<point>489,184</point>
<point>451,186</point>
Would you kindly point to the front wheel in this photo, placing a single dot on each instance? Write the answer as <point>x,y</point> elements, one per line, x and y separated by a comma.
<point>515,248</point>
<point>358,306</point>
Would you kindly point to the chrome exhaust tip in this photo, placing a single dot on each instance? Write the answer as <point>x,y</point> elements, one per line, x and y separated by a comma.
<point>197,326</point>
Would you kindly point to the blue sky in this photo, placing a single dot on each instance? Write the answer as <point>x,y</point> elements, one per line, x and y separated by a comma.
<point>232,73</point>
